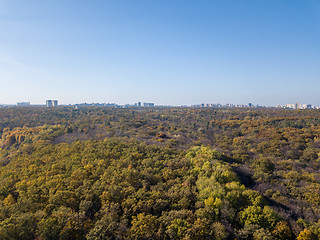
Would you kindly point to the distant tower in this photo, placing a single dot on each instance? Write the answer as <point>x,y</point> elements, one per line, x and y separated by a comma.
<point>55,103</point>
<point>49,103</point>
<point>139,104</point>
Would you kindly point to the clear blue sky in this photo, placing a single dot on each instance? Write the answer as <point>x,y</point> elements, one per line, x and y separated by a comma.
<point>165,51</point>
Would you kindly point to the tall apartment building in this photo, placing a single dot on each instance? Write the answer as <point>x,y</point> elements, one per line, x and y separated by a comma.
<point>52,103</point>
<point>49,103</point>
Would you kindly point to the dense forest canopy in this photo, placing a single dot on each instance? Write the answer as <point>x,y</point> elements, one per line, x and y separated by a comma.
<point>159,173</point>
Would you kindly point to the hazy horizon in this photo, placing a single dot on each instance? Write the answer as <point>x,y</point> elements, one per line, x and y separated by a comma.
<point>166,52</point>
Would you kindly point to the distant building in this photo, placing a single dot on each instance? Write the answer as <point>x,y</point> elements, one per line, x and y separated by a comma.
<point>298,106</point>
<point>23,104</point>
<point>96,105</point>
<point>230,105</point>
<point>52,103</point>
<point>49,103</point>
<point>148,104</point>
<point>110,105</point>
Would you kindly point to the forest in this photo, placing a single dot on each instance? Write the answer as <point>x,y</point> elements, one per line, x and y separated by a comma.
<point>159,173</point>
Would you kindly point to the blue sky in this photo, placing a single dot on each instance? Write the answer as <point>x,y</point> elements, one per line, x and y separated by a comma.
<point>169,52</point>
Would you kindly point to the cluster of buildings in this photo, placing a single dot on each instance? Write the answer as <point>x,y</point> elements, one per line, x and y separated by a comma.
<point>228,105</point>
<point>145,104</point>
<point>298,106</point>
<point>49,103</point>
<point>52,103</point>
<point>96,105</point>
<point>23,104</point>
<point>138,104</point>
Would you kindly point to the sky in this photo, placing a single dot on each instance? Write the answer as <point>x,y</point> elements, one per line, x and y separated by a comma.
<point>170,52</point>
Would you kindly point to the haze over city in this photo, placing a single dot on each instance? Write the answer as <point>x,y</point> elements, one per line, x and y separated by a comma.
<point>168,52</point>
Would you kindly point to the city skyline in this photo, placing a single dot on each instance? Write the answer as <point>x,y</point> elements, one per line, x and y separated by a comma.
<point>172,53</point>
<point>54,103</point>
